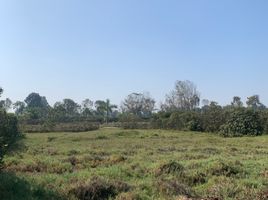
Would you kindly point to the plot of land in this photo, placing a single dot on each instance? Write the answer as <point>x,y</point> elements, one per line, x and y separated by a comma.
<point>137,164</point>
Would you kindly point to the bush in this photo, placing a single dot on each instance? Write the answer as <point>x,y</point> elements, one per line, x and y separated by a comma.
<point>131,121</point>
<point>173,187</point>
<point>213,117</point>
<point>184,120</point>
<point>243,122</point>
<point>98,188</point>
<point>9,134</point>
<point>225,168</point>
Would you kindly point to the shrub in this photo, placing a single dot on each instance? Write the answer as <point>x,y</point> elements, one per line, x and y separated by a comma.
<point>9,134</point>
<point>213,117</point>
<point>175,121</point>
<point>225,168</point>
<point>131,121</point>
<point>173,187</point>
<point>98,188</point>
<point>243,122</point>
<point>183,120</point>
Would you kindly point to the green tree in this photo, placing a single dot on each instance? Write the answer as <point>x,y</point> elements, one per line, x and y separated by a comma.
<point>105,108</point>
<point>237,102</point>
<point>255,103</point>
<point>19,107</point>
<point>9,134</point>
<point>212,117</point>
<point>6,104</point>
<point>34,100</point>
<point>37,107</point>
<point>87,108</point>
<point>67,110</point>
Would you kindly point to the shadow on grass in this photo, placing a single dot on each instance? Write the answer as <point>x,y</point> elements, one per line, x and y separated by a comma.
<point>14,188</point>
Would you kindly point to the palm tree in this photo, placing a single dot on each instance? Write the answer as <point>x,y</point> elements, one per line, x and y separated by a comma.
<point>105,108</point>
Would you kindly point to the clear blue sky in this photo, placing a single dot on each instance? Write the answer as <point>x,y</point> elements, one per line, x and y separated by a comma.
<point>109,48</point>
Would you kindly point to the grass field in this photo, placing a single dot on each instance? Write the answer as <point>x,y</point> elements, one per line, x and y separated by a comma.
<point>121,164</point>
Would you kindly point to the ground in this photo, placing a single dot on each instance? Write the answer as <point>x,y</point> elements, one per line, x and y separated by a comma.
<point>113,163</point>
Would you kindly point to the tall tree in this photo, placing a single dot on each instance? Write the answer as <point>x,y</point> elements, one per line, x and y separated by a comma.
<point>37,106</point>
<point>70,106</point>
<point>237,102</point>
<point>105,108</point>
<point>19,107</point>
<point>254,102</point>
<point>184,97</point>
<point>87,107</point>
<point>9,134</point>
<point>205,102</point>
<point>34,100</point>
<point>139,104</point>
<point>6,104</point>
<point>212,117</point>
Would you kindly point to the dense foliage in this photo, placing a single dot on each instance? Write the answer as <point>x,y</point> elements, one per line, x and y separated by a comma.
<point>243,122</point>
<point>181,110</point>
<point>9,134</point>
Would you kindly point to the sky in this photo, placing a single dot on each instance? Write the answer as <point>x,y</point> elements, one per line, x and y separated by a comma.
<point>101,49</point>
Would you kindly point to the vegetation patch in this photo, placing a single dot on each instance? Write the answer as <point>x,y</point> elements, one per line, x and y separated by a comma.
<point>173,188</point>
<point>225,168</point>
<point>99,189</point>
<point>196,178</point>
<point>126,133</point>
<point>128,196</point>
<point>199,166</point>
<point>171,167</point>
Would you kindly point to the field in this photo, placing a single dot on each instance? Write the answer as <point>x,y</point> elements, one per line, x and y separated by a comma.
<point>113,163</point>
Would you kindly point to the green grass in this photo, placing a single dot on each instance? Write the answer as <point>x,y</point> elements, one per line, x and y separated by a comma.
<point>137,164</point>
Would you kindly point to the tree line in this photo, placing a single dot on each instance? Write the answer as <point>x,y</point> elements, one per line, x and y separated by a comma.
<point>181,110</point>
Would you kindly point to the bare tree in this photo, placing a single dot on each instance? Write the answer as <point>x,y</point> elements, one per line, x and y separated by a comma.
<point>184,97</point>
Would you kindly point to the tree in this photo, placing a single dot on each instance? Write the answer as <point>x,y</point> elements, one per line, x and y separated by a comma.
<point>205,102</point>
<point>139,104</point>
<point>34,100</point>
<point>237,102</point>
<point>9,134</point>
<point>105,108</point>
<point>87,107</point>
<point>37,107</point>
<point>6,104</point>
<point>212,117</point>
<point>184,97</point>
<point>70,107</point>
<point>19,107</point>
<point>65,111</point>
<point>254,102</point>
